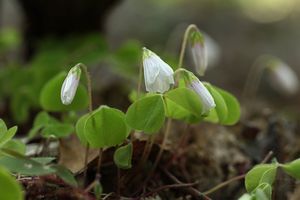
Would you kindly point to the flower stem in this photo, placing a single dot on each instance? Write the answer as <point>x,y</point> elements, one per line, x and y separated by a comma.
<point>184,43</point>
<point>89,87</point>
<point>98,176</point>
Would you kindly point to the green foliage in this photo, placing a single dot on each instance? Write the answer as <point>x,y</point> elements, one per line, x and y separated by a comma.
<point>50,96</point>
<point>263,173</point>
<point>123,156</point>
<point>106,127</point>
<point>233,107</point>
<point>16,145</point>
<point>18,163</point>
<point>8,135</point>
<point>146,114</point>
<point>98,190</point>
<point>227,110</point>
<point>25,166</point>
<point>50,127</point>
<point>221,108</point>
<point>80,128</point>
<point>10,189</point>
<point>184,104</point>
<point>292,168</point>
<point>65,174</point>
<point>9,39</point>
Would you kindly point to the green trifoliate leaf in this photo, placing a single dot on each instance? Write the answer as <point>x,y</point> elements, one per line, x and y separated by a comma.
<point>80,129</point>
<point>25,166</point>
<point>262,173</point>
<point>221,107</point>
<point>50,96</point>
<point>3,127</point>
<point>263,192</point>
<point>292,168</point>
<point>15,145</point>
<point>9,187</point>
<point>123,156</point>
<point>106,127</point>
<point>8,135</point>
<point>233,107</point>
<point>146,114</point>
<point>182,103</point>
<point>65,174</point>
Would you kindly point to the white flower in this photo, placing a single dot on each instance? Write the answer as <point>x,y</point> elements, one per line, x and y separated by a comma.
<point>158,74</point>
<point>69,87</point>
<point>283,78</point>
<point>199,52</point>
<point>207,100</point>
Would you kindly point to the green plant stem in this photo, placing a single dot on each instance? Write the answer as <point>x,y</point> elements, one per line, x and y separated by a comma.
<point>184,43</point>
<point>89,87</point>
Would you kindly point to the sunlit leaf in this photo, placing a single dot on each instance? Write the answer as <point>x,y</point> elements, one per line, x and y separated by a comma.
<point>16,145</point>
<point>146,114</point>
<point>221,107</point>
<point>262,173</point>
<point>106,127</point>
<point>233,107</point>
<point>292,168</point>
<point>183,103</point>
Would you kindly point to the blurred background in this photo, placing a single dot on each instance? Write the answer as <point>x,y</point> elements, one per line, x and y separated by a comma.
<point>40,38</point>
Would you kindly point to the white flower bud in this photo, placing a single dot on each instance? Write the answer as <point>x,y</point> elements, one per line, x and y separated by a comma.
<point>199,52</point>
<point>207,100</point>
<point>283,78</point>
<point>70,84</point>
<point>158,74</point>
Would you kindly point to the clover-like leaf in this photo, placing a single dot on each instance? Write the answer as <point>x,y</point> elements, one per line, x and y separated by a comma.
<point>106,127</point>
<point>50,96</point>
<point>292,168</point>
<point>262,173</point>
<point>10,189</point>
<point>182,103</point>
<point>233,107</point>
<point>221,108</point>
<point>8,135</point>
<point>123,156</point>
<point>146,114</point>
<point>80,129</point>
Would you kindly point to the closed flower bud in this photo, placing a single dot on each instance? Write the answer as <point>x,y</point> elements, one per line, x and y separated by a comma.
<point>282,77</point>
<point>207,100</point>
<point>198,51</point>
<point>158,74</point>
<point>70,84</point>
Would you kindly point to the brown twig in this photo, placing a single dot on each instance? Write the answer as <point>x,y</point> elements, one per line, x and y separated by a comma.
<point>165,187</point>
<point>225,183</point>
<point>196,193</point>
